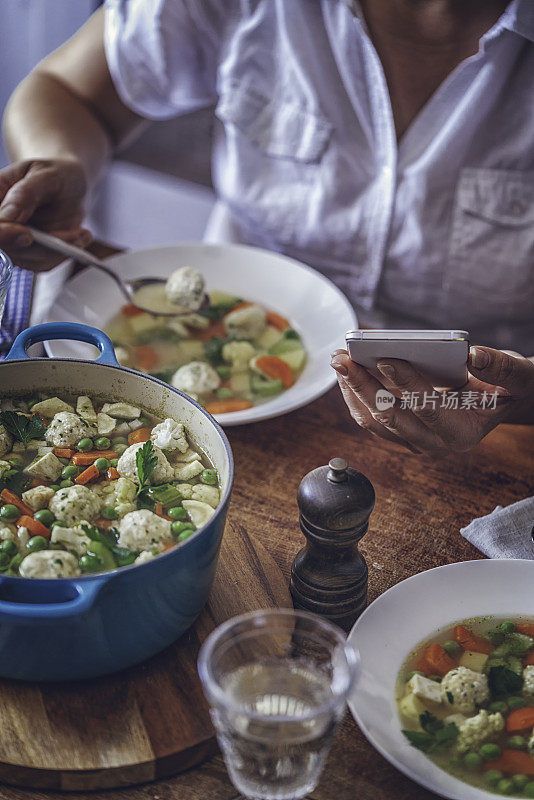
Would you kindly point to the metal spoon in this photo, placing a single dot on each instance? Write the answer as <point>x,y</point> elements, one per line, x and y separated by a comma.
<point>128,288</point>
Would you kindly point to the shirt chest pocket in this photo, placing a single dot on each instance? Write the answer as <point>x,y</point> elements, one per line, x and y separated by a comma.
<point>274,159</point>
<point>491,255</point>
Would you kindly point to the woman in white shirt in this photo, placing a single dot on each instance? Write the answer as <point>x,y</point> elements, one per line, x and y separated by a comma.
<point>390,145</point>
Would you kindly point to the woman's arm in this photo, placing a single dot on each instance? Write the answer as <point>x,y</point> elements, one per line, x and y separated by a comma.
<point>60,127</point>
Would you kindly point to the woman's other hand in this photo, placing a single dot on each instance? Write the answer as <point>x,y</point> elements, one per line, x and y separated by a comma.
<point>48,194</point>
<point>500,388</point>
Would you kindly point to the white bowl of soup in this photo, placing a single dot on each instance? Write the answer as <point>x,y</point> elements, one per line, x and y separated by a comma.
<point>306,318</point>
<point>436,625</point>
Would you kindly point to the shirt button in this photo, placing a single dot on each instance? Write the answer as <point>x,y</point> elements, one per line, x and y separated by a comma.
<point>517,209</point>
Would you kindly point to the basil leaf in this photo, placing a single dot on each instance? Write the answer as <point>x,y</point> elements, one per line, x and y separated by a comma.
<point>423,741</point>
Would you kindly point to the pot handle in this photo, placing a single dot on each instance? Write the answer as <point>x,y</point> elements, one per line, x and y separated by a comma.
<point>59,606</point>
<point>64,330</point>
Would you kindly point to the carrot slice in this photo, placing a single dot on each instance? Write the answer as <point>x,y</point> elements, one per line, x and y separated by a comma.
<point>438,660</point>
<point>528,661</point>
<point>277,320</point>
<point>112,474</point>
<point>423,665</point>
<point>104,523</point>
<point>472,642</point>
<point>146,356</point>
<point>129,310</point>
<point>520,719</point>
<point>215,329</point>
<point>226,406</point>
<point>14,500</point>
<point>140,435</point>
<point>242,304</point>
<point>88,475</point>
<point>35,527</point>
<point>84,459</point>
<point>512,762</point>
<point>277,369</point>
<point>525,627</point>
<point>63,452</point>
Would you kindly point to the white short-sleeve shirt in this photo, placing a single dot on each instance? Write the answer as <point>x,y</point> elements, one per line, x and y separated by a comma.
<point>436,230</point>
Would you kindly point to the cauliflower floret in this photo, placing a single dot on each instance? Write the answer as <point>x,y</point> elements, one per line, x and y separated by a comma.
<point>198,511</point>
<point>7,534</point>
<point>49,564</point>
<point>51,407</point>
<point>6,441</point>
<point>144,556</point>
<point>121,495</point>
<point>468,688</point>
<point>205,494</point>
<point>74,539</point>
<point>75,503</point>
<point>170,435</point>
<point>127,466</point>
<point>184,472</point>
<point>476,730</point>
<point>144,530</point>
<point>246,323</point>
<point>198,377</point>
<point>66,429</point>
<point>238,354</point>
<point>5,466</point>
<point>39,497</point>
<point>185,288</point>
<point>528,681</point>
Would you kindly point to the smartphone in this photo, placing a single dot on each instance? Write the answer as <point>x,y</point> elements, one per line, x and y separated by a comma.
<point>440,356</point>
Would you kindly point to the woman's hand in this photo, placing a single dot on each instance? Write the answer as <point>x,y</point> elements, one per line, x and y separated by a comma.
<point>48,195</point>
<point>500,388</point>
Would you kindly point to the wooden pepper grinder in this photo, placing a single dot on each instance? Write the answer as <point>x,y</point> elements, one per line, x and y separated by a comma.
<point>329,575</point>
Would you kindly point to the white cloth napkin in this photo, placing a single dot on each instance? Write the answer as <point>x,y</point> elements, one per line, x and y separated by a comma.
<point>506,532</point>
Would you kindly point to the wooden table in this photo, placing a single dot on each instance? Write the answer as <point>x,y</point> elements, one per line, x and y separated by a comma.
<point>420,506</point>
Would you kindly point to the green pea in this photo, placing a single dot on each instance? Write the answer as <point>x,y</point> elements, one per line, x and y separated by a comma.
<point>489,750</point>
<point>16,462</point>
<point>179,527</point>
<point>44,516</point>
<point>8,547</point>
<point>517,742</point>
<point>55,486</point>
<point>143,420</point>
<point>15,562</point>
<point>520,781</point>
<point>493,776</point>
<point>224,393</point>
<point>69,472</point>
<point>5,558</point>
<point>119,440</point>
<point>413,672</point>
<point>66,483</point>
<point>507,627</point>
<point>102,464</point>
<point>108,512</point>
<point>114,462</point>
<point>120,448</point>
<point>89,563</point>
<point>472,761</point>
<point>9,512</point>
<point>209,476</point>
<point>528,789</point>
<point>85,444</point>
<point>58,524</point>
<point>185,535</point>
<point>505,786</point>
<point>103,554</point>
<point>36,543</point>
<point>516,702</point>
<point>103,443</point>
<point>224,372</point>
<point>177,512</point>
<point>452,647</point>
<point>498,706</point>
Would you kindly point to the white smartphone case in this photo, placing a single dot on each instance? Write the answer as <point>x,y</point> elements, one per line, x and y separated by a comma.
<point>440,356</point>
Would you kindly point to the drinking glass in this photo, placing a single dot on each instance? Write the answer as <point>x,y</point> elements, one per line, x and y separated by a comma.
<point>6,271</point>
<point>277,683</point>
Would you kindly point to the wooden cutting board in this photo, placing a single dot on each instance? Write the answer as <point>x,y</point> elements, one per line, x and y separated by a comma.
<point>144,723</point>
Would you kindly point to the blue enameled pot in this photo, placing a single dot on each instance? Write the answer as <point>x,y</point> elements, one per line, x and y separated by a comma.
<point>67,629</point>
